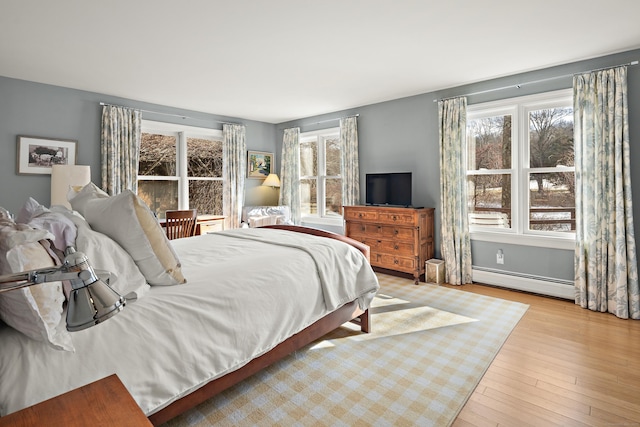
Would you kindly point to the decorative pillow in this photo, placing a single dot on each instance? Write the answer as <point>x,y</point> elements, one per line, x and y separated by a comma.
<point>129,221</point>
<point>36,311</point>
<point>105,254</point>
<point>88,193</point>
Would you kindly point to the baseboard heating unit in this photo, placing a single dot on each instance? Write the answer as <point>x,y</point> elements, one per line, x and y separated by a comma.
<point>525,282</point>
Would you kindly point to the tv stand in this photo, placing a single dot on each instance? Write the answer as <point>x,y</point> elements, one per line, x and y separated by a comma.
<point>400,238</point>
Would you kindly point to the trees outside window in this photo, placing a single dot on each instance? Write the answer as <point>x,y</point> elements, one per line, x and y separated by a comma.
<point>320,175</point>
<point>180,167</point>
<point>520,165</point>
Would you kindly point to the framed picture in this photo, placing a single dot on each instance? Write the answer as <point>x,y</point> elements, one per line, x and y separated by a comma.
<point>259,164</point>
<point>36,155</point>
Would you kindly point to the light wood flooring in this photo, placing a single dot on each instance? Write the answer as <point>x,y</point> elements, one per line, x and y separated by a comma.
<point>562,365</point>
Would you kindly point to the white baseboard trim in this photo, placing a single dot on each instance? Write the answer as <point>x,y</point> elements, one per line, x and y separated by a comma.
<point>527,284</point>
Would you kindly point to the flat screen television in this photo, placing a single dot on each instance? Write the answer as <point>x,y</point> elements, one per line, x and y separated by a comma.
<point>392,189</point>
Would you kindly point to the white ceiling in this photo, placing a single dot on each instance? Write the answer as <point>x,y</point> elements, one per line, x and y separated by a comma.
<point>279,60</point>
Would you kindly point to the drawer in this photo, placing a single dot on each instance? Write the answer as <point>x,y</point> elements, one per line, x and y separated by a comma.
<point>389,246</point>
<point>397,218</point>
<point>385,231</point>
<point>362,215</point>
<point>210,227</point>
<point>391,262</point>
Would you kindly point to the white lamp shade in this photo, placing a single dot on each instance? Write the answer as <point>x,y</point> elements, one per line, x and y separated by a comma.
<point>65,177</point>
<point>272,180</point>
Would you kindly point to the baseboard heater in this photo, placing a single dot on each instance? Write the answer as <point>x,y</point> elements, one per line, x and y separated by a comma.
<point>525,282</point>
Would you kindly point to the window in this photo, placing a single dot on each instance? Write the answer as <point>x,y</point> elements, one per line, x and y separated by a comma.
<point>320,179</point>
<point>180,167</point>
<point>520,166</point>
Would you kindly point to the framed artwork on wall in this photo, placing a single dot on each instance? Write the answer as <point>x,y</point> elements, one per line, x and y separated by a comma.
<point>259,164</point>
<point>36,155</point>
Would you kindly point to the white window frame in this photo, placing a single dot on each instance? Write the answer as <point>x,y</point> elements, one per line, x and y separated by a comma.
<point>519,109</point>
<point>320,136</point>
<point>181,132</point>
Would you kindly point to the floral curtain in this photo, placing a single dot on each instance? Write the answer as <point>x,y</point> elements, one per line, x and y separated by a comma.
<point>290,173</point>
<point>120,148</point>
<point>234,166</point>
<point>350,164</point>
<point>606,268</point>
<point>456,243</point>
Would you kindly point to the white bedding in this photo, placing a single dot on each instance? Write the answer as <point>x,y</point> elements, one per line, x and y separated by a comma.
<point>242,298</point>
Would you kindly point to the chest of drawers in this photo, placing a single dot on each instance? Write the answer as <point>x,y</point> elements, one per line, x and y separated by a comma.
<point>401,239</point>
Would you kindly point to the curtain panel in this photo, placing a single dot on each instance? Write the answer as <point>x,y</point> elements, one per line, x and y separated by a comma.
<point>455,240</point>
<point>350,163</point>
<point>290,173</point>
<point>234,166</point>
<point>606,268</point>
<point>120,148</point>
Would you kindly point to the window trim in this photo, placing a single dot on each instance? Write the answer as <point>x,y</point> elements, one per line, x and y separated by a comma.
<point>519,108</point>
<point>181,132</point>
<point>321,217</point>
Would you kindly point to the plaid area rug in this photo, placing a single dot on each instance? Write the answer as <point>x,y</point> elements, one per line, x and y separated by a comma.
<point>428,350</point>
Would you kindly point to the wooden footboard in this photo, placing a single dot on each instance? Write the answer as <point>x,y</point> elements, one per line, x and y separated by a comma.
<point>350,312</point>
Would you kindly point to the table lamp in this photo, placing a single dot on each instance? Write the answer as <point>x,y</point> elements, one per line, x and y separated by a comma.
<point>66,177</point>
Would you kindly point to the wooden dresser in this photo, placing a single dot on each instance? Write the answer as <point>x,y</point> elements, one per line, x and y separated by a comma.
<point>400,239</point>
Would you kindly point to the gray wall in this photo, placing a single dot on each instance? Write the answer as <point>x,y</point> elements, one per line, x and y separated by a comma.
<point>402,135</point>
<point>399,135</point>
<point>34,109</point>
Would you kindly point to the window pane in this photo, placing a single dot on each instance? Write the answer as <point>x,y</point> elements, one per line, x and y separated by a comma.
<point>490,200</point>
<point>309,196</point>
<point>551,137</point>
<point>309,158</point>
<point>552,201</point>
<point>333,202</point>
<point>160,196</point>
<point>204,158</point>
<point>206,196</point>
<point>333,156</point>
<point>489,143</point>
<point>157,155</point>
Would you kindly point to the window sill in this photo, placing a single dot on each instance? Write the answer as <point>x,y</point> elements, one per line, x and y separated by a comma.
<point>567,243</point>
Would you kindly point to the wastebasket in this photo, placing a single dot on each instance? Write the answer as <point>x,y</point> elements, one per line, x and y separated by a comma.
<point>435,271</point>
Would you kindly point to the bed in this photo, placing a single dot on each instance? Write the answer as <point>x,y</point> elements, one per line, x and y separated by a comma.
<point>177,344</point>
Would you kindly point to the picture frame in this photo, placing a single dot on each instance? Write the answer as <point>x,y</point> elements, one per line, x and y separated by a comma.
<point>259,164</point>
<point>36,155</point>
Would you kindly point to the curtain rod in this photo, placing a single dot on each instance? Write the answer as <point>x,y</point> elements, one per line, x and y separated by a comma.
<point>327,120</point>
<point>167,114</point>
<point>519,85</point>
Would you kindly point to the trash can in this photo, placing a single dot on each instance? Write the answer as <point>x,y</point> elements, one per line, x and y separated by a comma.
<point>435,271</point>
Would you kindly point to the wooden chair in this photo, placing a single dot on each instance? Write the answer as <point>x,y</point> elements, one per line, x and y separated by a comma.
<point>181,223</point>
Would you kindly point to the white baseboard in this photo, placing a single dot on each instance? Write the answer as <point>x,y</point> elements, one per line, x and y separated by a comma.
<point>528,284</point>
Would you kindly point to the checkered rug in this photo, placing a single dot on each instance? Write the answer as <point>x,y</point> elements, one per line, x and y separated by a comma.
<point>427,352</point>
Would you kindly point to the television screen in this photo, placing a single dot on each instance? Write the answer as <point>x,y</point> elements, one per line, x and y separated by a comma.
<point>388,189</point>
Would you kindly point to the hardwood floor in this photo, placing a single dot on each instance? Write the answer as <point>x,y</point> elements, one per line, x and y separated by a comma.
<point>562,365</point>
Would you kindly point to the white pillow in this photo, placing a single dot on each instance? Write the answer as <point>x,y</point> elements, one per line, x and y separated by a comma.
<point>129,221</point>
<point>105,254</point>
<point>36,311</point>
<point>89,192</point>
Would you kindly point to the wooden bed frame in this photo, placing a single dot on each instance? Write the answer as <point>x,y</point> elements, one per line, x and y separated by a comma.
<point>349,312</point>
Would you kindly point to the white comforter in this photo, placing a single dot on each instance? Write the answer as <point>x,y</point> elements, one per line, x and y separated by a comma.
<point>242,298</point>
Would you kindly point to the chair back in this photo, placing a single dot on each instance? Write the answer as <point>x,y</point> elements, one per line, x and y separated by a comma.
<point>181,223</point>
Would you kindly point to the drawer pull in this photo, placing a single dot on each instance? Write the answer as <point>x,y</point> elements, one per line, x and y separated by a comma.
<point>395,261</point>
<point>395,231</point>
<point>395,218</point>
<point>395,247</point>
